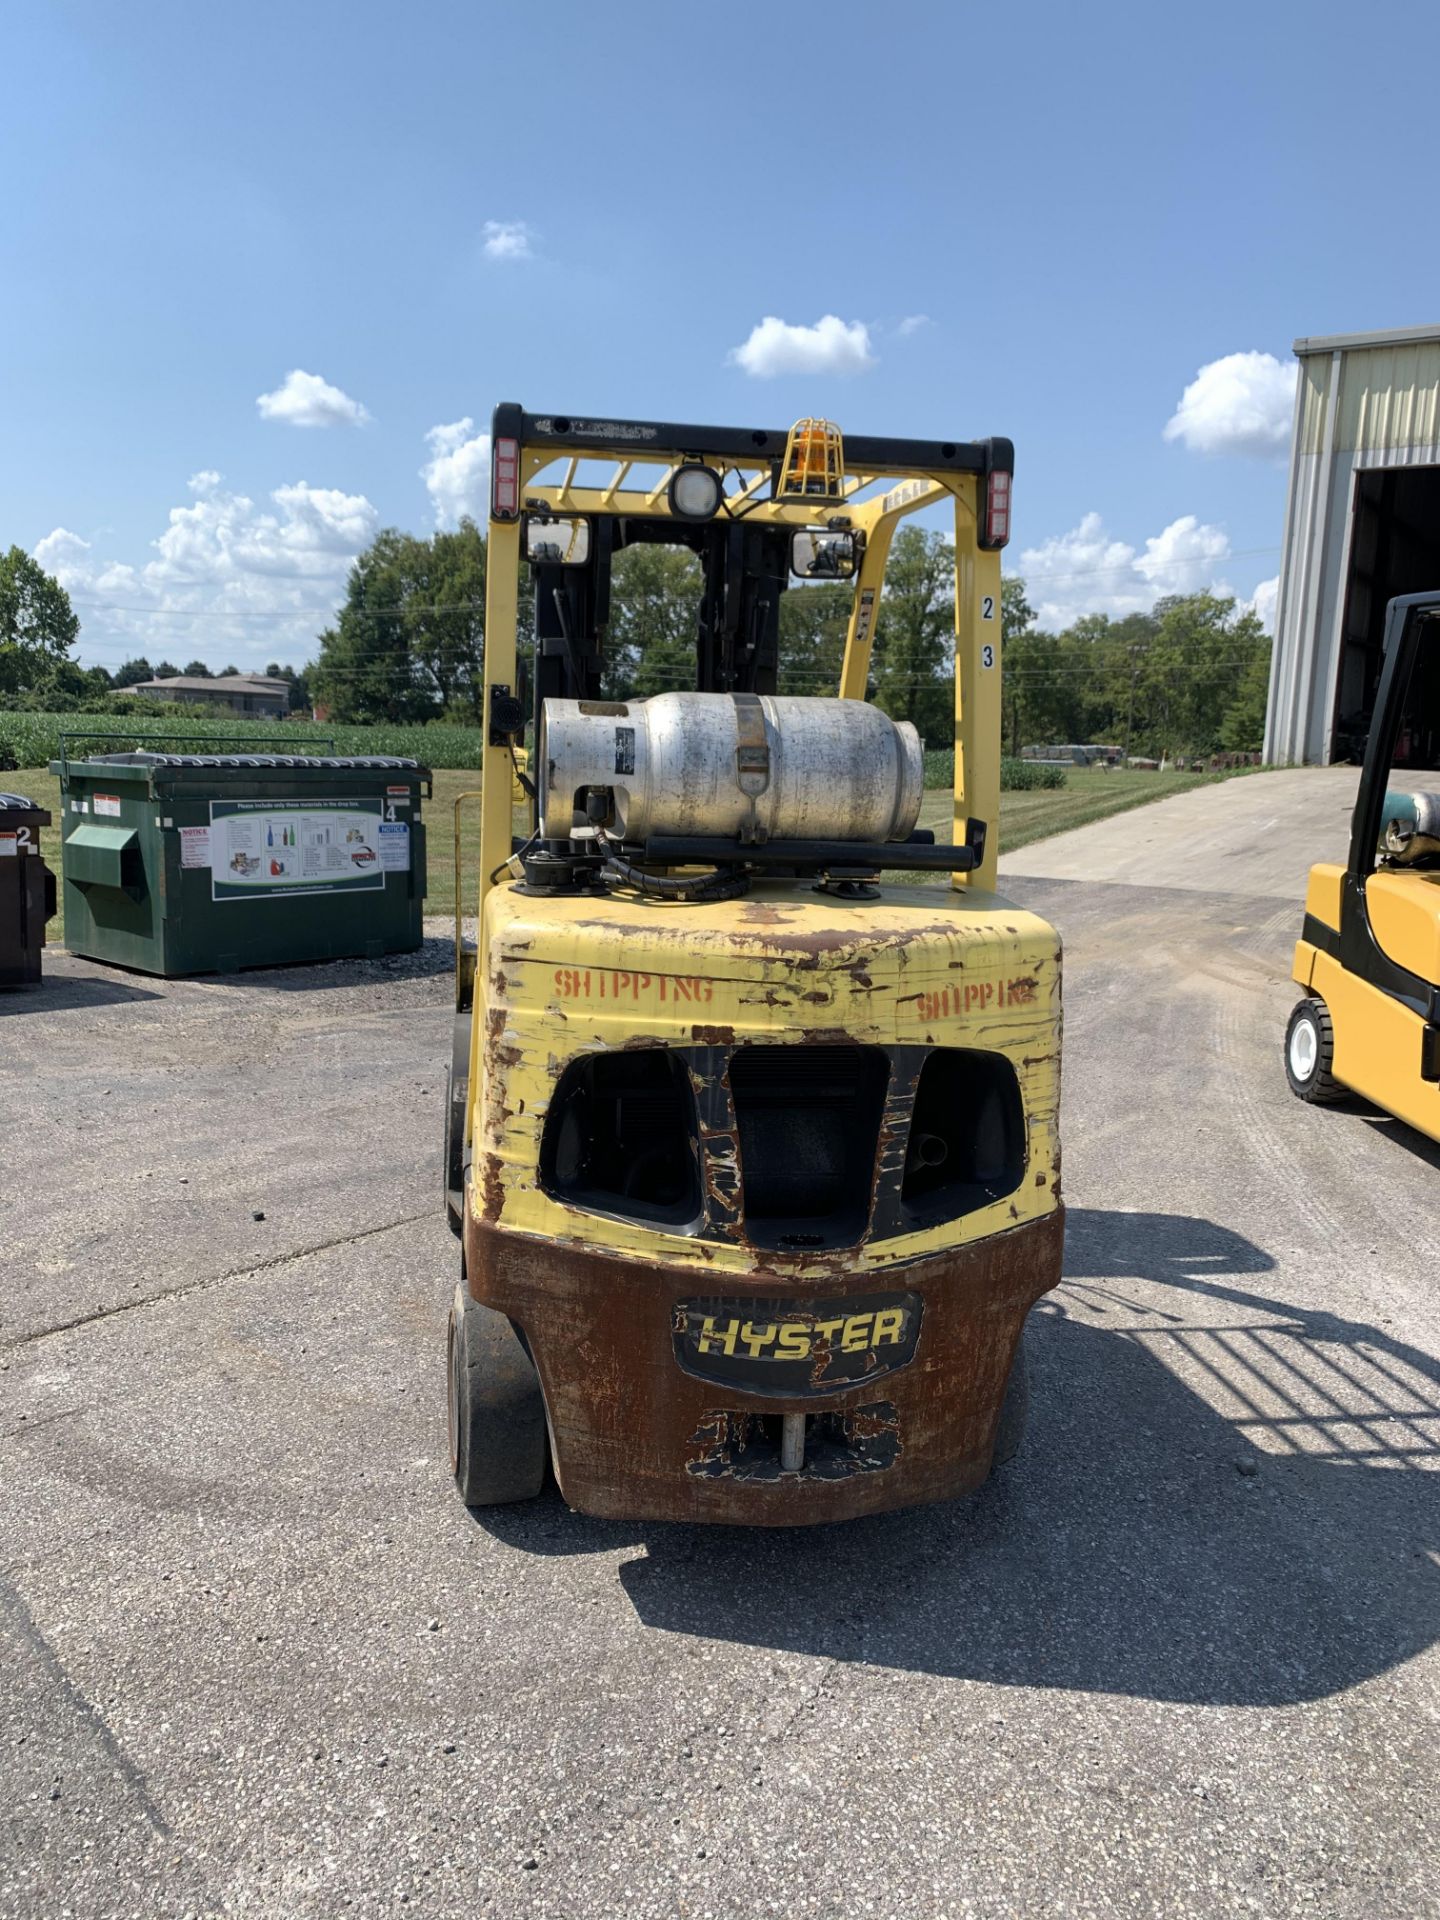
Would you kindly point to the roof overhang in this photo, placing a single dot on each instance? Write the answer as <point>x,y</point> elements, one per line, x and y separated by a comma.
<point>1344,342</point>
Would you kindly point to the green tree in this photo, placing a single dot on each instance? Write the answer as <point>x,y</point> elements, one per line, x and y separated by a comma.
<point>1186,677</point>
<point>408,643</point>
<point>654,604</point>
<point>1026,661</point>
<point>64,686</point>
<point>197,670</point>
<point>131,672</point>
<point>912,667</point>
<point>1242,726</point>
<point>38,626</point>
<point>813,625</point>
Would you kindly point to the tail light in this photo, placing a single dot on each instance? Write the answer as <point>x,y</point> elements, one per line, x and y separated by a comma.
<point>505,480</point>
<point>997,508</point>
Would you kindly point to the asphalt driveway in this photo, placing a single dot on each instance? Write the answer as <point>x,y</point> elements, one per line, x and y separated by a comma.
<point>1180,1658</point>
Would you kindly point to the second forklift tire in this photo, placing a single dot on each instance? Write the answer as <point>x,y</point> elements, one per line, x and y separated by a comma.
<point>499,1443</point>
<point>1014,1408</point>
<point>1309,1050</point>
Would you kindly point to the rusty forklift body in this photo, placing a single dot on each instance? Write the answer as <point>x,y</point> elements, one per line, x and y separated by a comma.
<point>752,1137</point>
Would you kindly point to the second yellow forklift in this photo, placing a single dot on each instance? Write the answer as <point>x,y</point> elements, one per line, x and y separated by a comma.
<point>1369,954</point>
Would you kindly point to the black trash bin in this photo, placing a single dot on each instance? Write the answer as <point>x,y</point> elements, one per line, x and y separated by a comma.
<point>27,890</point>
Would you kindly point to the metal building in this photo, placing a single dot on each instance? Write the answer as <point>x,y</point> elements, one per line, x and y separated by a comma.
<point>1362,523</point>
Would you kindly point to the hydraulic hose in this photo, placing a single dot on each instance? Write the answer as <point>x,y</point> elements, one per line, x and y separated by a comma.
<point>714,885</point>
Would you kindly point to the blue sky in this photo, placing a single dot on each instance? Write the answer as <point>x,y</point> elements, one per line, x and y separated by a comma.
<point>1038,220</point>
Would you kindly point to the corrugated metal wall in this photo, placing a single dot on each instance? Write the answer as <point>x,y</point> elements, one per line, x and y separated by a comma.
<point>1356,407</point>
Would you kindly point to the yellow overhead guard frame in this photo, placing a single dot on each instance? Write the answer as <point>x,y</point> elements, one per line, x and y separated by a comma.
<point>874,483</point>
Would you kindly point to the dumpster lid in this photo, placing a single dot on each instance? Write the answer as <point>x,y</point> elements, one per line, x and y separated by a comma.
<point>384,762</point>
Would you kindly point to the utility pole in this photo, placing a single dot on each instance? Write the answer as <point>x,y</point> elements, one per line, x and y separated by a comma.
<point>1130,709</point>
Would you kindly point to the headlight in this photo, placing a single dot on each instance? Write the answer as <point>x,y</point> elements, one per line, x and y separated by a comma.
<point>695,493</point>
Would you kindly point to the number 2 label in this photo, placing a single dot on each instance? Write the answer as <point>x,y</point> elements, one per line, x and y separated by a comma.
<point>987,607</point>
<point>987,656</point>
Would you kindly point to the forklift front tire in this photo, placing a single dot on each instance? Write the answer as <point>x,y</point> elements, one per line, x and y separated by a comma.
<point>1309,1050</point>
<point>499,1444</point>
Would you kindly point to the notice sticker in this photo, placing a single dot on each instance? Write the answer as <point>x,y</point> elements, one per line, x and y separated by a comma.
<point>393,845</point>
<point>108,804</point>
<point>280,847</point>
<point>9,845</point>
<point>195,846</point>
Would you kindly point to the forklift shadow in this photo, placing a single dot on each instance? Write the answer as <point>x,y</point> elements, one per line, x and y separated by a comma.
<point>1389,1128</point>
<point>1222,1498</point>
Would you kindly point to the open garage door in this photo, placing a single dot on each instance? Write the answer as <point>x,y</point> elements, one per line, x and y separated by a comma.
<point>1394,548</point>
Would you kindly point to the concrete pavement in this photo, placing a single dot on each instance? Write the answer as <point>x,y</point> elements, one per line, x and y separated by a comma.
<point>1179,1659</point>
<point>1259,838</point>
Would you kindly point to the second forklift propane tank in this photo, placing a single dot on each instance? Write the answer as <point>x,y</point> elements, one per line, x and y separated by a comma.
<point>751,766</point>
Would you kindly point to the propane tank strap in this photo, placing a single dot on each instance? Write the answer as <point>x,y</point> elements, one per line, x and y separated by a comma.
<point>752,760</point>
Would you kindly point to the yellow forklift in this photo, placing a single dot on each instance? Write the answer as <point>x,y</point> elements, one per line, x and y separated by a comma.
<point>1369,953</point>
<point>752,1126</point>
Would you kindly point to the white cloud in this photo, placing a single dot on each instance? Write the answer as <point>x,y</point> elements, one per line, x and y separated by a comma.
<point>508,240</point>
<point>305,400</point>
<point>1086,571</point>
<point>1184,557</point>
<point>62,553</point>
<point>914,323</point>
<point>457,474</point>
<point>228,577</point>
<point>67,556</point>
<point>830,346</point>
<point>1242,403</point>
<point>1263,602</point>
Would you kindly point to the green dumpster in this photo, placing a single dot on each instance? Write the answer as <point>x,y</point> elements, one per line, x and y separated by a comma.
<point>179,863</point>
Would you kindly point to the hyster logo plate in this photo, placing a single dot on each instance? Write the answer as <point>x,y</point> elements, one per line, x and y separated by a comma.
<point>768,1346</point>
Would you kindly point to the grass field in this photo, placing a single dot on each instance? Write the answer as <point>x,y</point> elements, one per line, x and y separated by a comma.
<point>1088,795</point>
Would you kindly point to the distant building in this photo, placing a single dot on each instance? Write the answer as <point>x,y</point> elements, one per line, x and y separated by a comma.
<point>248,693</point>
<point>1362,523</point>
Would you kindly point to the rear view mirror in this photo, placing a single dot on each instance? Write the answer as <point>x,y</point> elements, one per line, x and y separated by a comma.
<point>557,543</point>
<point>817,555</point>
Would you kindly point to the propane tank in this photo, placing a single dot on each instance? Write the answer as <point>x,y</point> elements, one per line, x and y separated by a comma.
<point>746,766</point>
<point>1410,827</point>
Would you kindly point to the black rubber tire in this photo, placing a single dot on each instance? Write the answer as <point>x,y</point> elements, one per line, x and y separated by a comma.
<point>1014,1408</point>
<point>499,1443</point>
<point>1318,1086</point>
